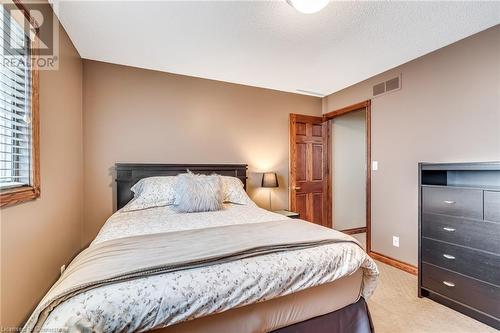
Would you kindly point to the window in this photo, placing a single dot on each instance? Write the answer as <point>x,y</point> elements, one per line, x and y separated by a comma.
<point>19,142</point>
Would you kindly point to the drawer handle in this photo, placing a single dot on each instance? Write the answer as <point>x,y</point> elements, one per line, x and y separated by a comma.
<point>449,256</point>
<point>449,229</point>
<point>449,202</point>
<point>449,284</point>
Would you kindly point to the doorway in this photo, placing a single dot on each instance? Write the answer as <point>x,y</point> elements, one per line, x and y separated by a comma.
<point>311,180</point>
<point>350,170</point>
<point>348,145</point>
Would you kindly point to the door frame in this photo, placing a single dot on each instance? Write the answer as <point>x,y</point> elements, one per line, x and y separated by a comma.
<point>326,118</point>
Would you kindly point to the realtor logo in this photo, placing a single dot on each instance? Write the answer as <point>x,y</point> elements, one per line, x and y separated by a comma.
<point>30,32</point>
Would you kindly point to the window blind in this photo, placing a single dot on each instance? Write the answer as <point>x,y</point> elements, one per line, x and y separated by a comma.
<point>15,104</point>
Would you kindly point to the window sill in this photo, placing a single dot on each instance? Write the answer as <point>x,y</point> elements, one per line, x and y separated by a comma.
<point>17,195</point>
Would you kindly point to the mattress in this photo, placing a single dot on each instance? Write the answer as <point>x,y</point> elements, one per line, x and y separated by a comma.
<point>279,312</point>
<point>173,298</point>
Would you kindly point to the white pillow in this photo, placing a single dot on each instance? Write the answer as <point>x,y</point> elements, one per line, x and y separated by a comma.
<point>234,191</point>
<point>198,193</point>
<point>152,192</point>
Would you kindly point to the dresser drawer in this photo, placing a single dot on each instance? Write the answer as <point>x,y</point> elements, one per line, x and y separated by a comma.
<point>492,206</point>
<point>453,201</point>
<point>478,264</point>
<point>479,295</point>
<point>481,235</point>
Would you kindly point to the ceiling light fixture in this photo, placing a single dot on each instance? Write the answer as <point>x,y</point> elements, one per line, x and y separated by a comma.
<point>308,6</point>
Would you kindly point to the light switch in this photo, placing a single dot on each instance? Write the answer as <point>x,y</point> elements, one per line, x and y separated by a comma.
<point>374,165</point>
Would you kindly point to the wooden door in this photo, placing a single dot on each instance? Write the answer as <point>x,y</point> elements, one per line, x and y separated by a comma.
<point>309,168</point>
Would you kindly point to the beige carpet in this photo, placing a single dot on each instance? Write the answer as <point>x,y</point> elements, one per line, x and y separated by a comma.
<point>395,307</point>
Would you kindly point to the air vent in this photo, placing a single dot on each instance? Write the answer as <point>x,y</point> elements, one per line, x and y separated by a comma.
<point>392,84</point>
<point>387,86</point>
<point>379,89</point>
<point>308,92</point>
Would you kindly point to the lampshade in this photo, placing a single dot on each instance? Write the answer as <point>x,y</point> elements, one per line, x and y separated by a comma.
<point>269,179</point>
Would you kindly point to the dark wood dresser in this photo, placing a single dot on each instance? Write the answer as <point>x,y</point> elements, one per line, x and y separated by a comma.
<point>459,237</point>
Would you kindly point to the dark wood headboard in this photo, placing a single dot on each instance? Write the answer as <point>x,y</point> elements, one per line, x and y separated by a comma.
<point>127,174</point>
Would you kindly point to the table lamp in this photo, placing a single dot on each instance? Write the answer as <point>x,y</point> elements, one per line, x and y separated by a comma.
<point>270,180</point>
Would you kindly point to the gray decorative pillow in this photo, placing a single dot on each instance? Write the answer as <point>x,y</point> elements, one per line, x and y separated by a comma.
<point>198,193</point>
<point>152,192</point>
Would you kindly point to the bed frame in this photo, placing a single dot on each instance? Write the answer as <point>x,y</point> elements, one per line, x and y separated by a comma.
<point>127,174</point>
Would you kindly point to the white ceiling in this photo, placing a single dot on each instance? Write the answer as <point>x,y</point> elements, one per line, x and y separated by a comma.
<point>267,43</point>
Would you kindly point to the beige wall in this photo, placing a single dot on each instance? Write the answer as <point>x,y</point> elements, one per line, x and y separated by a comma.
<point>37,237</point>
<point>448,110</point>
<point>348,135</point>
<point>137,115</point>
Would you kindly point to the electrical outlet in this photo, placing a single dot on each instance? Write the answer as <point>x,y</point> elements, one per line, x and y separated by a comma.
<point>395,241</point>
<point>374,165</point>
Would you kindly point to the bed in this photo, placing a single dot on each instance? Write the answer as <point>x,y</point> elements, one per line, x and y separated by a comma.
<point>314,288</point>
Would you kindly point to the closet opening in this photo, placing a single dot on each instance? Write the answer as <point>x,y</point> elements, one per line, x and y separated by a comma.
<point>349,149</point>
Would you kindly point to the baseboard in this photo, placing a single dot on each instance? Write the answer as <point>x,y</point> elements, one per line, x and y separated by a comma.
<point>354,231</point>
<point>394,262</point>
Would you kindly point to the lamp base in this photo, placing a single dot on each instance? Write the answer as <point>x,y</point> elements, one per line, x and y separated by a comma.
<point>270,202</point>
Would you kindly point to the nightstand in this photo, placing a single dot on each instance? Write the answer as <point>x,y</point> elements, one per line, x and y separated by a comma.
<point>287,213</point>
